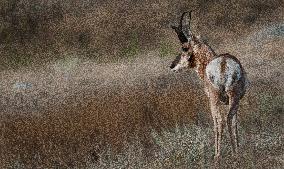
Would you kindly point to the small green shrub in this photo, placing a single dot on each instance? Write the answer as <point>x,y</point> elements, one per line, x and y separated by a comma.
<point>132,49</point>
<point>166,50</point>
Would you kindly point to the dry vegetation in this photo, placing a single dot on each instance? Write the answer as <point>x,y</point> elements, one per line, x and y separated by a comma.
<point>38,32</point>
<point>62,106</point>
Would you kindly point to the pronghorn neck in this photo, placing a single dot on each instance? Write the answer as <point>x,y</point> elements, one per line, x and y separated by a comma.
<point>202,54</point>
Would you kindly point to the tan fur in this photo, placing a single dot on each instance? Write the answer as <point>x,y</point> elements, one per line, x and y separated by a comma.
<point>203,54</point>
<point>223,66</point>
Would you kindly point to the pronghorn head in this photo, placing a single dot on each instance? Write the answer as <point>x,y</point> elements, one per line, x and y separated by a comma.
<point>184,59</point>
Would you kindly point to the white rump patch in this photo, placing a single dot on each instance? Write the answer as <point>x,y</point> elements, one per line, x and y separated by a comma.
<point>231,73</point>
<point>213,72</point>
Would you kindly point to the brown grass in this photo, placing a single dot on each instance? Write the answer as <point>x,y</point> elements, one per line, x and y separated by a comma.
<point>79,131</point>
<point>74,132</point>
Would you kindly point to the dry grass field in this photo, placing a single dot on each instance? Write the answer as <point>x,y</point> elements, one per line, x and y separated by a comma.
<point>87,84</point>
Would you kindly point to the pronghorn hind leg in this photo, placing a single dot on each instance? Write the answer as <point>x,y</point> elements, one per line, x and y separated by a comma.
<point>235,131</point>
<point>218,123</point>
<point>232,121</point>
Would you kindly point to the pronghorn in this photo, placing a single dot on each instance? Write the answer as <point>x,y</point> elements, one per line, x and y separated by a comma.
<point>224,79</point>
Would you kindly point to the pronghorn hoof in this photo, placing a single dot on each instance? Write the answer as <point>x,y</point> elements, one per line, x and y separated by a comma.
<point>217,160</point>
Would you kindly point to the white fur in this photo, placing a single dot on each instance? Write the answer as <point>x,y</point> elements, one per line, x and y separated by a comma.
<point>213,72</point>
<point>232,67</point>
<point>183,63</point>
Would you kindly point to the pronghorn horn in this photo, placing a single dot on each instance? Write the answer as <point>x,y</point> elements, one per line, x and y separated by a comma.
<point>183,35</point>
<point>185,24</point>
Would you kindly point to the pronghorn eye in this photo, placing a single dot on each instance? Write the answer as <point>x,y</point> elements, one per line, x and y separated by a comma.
<point>185,49</point>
